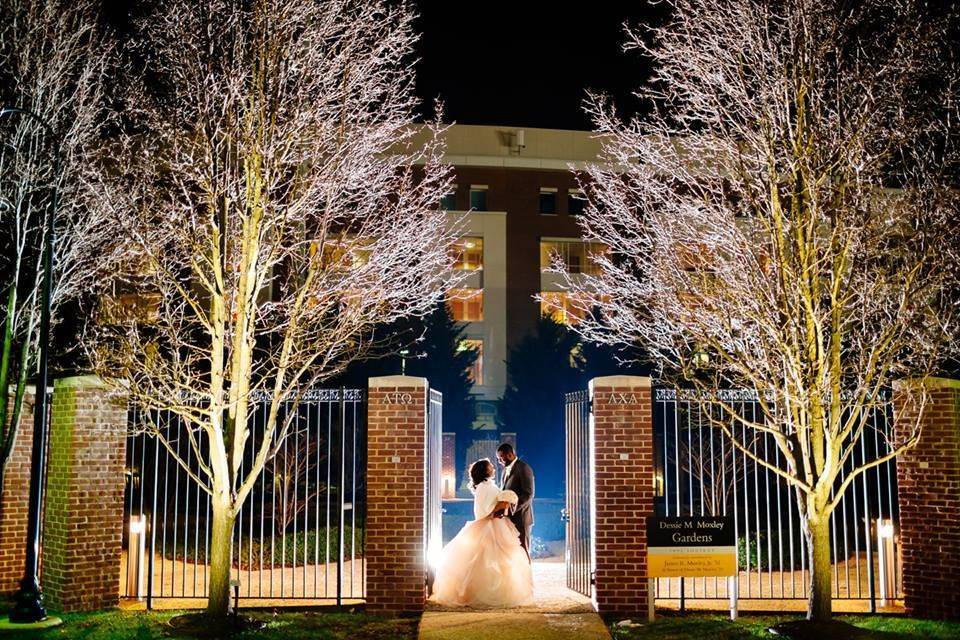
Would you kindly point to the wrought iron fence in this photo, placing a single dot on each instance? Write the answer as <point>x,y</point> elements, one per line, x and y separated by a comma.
<point>700,472</point>
<point>578,512</point>
<point>433,540</point>
<point>300,532</point>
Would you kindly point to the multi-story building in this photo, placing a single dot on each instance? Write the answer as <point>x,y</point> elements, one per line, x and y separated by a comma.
<point>521,200</point>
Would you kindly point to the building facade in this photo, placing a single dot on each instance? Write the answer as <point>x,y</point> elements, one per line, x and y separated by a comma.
<point>518,197</point>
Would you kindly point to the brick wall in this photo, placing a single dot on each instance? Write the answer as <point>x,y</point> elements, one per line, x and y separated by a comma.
<point>13,504</point>
<point>396,476</point>
<point>84,498</point>
<point>928,481</point>
<point>623,440</point>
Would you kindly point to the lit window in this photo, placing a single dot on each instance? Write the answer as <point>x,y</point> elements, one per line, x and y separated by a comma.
<point>346,252</point>
<point>575,201</point>
<point>548,200</point>
<point>478,197</point>
<point>575,256</point>
<point>475,371</point>
<point>466,305</point>
<point>449,201</point>
<point>563,306</point>
<point>556,305</point>
<point>467,254</point>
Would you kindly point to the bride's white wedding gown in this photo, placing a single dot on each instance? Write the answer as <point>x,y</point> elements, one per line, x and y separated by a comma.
<point>485,565</point>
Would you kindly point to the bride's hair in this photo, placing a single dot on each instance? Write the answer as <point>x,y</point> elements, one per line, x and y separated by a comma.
<point>480,471</point>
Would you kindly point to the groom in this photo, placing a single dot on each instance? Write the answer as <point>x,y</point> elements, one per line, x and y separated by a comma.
<point>517,477</point>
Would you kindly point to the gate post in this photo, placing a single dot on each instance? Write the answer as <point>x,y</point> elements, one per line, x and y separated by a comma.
<point>396,494</point>
<point>928,484</point>
<point>622,427</point>
<point>83,514</point>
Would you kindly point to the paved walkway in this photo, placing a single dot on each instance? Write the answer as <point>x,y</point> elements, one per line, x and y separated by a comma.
<point>556,613</point>
<point>511,625</point>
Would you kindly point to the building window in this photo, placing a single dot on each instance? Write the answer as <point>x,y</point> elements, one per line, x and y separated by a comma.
<point>449,201</point>
<point>575,202</point>
<point>575,255</point>
<point>558,305</point>
<point>467,254</point>
<point>478,197</point>
<point>568,308</point>
<point>562,307</point>
<point>466,305</point>
<point>548,201</point>
<point>475,371</point>
<point>345,253</point>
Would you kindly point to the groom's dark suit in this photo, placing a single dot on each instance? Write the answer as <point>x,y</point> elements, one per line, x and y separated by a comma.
<point>520,481</point>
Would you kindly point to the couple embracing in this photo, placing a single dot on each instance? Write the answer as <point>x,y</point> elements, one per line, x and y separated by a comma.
<point>487,564</point>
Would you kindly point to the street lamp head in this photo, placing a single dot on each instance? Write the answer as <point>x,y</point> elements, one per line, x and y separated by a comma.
<point>700,357</point>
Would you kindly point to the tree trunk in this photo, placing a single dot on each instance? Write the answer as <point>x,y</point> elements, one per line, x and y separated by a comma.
<point>221,557</point>
<point>820,604</point>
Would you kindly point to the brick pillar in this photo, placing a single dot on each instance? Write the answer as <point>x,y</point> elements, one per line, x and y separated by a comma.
<point>448,471</point>
<point>84,500</point>
<point>13,502</point>
<point>623,491</point>
<point>396,495</point>
<point>928,483</point>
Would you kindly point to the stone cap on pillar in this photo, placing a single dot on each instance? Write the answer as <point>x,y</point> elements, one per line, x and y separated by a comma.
<point>631,382</point>
<point>930,382</point>
<point>380,382</point>
<point>87,382</point>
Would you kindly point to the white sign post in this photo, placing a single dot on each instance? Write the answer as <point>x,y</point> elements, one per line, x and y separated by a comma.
<point>692,547</point>
<point>733,588</point>
<point>651,595</point>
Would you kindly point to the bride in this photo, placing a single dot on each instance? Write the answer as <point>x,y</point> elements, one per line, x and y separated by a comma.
<point>485,565</point>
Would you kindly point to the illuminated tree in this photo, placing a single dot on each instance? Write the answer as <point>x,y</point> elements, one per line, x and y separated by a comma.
<point>53,61</point>
<point>783,221</point>
<point>270,208</point>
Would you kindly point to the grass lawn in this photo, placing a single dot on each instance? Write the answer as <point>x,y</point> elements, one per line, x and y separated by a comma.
<point>750,627</point>
<point>315,625</point>
<point>329,625</point>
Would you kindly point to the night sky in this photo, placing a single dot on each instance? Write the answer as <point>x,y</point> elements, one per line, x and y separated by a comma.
<point>527,63</point>
<point>522,63</point>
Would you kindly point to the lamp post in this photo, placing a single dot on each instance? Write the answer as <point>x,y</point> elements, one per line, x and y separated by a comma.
<point>28,601</point>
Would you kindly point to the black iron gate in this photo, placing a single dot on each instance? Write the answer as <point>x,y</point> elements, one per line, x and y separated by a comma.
<point>433,538</point>
<point>578,513</point>
<point>699,472</point>
<point>299,534</point>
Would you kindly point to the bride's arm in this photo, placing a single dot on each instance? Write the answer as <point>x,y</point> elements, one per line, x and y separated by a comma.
<point>504,500</point>
<point>499,510</point>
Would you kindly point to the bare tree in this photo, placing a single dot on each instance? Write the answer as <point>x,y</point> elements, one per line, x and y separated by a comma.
<point>292,481</point>
<point>267,198</point>
<point>711,467</point>
<point>53,61</point>
<point>783,222</point>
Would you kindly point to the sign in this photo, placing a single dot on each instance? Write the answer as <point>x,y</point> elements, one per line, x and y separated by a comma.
<point>691,546</point>
<point>398,397</point>
<point>623,398</point>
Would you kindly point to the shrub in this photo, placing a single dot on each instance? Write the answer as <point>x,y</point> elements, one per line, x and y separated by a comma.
<point>283,551</point>
<point>759,557</point>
